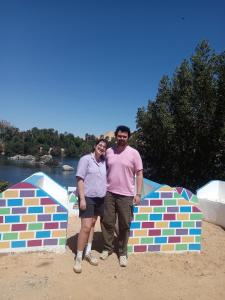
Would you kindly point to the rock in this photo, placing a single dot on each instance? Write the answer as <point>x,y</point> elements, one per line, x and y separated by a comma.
<point>23,157</point>
<point>45,159</point>
<point>67,168</point>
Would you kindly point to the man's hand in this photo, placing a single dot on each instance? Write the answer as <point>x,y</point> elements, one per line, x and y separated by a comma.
<point>137,199</point>
<point>82,204</point>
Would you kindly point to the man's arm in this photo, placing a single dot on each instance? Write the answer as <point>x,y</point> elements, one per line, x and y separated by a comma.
<point>139,182</point>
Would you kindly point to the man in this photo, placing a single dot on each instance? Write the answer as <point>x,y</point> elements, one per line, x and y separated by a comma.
<point>123,163</point>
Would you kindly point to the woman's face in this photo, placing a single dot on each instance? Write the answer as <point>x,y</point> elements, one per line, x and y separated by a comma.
<point>100,148</point>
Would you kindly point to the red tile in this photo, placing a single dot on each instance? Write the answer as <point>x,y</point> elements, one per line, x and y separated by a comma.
<point>154,232</point>
<point>169,217</point>
<point>34,243</point>
<point>148,225</point>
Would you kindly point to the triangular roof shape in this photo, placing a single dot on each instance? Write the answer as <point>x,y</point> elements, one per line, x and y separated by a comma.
<point>51,187</point>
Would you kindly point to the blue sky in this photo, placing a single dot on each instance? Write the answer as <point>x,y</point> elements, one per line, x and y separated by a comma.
<point>87,66</point>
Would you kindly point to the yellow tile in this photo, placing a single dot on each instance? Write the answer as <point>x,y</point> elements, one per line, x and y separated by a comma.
<point>26,235</point>
<point>143,232</point>
<point>183,217</point>
<point>184,202</point>
<point>31,201</point>
<point>29,218</point>
<point>4,245</point>
<point>4,228</point>
<point>188,239</point>
<point>11,194</point>
<point>167,247</point>
<point>133,241</point>
<point>145,209</point>
<point>166,189</point>
<point>161,224</point>
<point>50,209</point>
<point>59,233</point>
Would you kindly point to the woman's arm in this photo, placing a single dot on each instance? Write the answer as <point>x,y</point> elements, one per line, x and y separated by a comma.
<point>80,186</point>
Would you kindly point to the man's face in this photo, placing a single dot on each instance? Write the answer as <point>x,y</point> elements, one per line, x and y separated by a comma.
<point>122,138</point>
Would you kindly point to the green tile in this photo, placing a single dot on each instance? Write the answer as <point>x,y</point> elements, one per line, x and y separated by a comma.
<point>168,232</point>
<point>194,199</point>
<point>159,209</point>
<point>141,217</point>
<point>188,224</point>
<point>10,236</point>
<point>168,202</point>
<point>130,249</point>
<point>73,199</point>
<point>197,216</point>
<point>176,195</point>
<point>62,241</point>
<point>35,226</point>
<point>197,239</point>
<point>147,240</point>
<point>181,247</point>
<point>4,211</point>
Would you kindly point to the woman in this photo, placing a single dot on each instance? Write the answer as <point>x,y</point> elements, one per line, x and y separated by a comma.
<point>91,184</point>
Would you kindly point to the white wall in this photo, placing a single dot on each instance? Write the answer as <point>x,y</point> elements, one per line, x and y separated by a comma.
<point>213,190</point>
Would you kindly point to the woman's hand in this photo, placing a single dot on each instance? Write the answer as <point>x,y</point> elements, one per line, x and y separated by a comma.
<point>82,204</point>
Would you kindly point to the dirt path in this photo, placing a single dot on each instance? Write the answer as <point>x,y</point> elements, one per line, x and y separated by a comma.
<point>148,276</point>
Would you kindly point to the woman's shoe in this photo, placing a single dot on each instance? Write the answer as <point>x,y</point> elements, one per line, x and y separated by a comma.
<point>91,259</point>
<point>77,266</point>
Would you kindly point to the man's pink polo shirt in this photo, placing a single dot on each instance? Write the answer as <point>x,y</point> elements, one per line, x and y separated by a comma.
<point>121,169</point>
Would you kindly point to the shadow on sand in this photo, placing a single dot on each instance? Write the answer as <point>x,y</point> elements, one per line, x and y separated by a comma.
<point>97,243</point>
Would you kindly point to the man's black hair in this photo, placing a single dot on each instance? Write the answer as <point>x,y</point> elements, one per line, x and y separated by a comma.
<point>122,128</point>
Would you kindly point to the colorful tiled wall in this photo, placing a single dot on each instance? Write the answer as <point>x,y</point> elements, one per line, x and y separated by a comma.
<point>31,220</point>
<point>166,221</point>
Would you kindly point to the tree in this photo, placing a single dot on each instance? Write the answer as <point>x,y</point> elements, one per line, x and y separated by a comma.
<point>181,135</point>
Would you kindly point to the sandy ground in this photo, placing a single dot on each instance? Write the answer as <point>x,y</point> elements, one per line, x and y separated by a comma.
<point>147,276</point>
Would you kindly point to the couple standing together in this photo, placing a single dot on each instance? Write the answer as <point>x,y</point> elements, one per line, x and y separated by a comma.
<point>106,188</point>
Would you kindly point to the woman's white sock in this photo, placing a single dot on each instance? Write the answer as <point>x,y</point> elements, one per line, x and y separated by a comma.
<point>88,248</point>
<point>79,254</point>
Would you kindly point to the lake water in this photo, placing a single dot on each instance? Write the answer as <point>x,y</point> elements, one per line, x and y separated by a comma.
<point>16,171</point>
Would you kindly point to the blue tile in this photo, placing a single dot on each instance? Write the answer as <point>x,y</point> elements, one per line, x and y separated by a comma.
<point>161,240</point>
<point>18,244</point>
<point>194,247</point>
<point>135,225</point>
<point>60,217</point>
<point>175,224</point>
<point>155,217</point>
<point>185,209</point>
<point>15,202</point>
<point>135,209</point>
<point>12,219</point>
<point>195,231</point>
<point>40,193</point>
<point>43,234</point>
<point>35,210</point>
<point>153,195</point>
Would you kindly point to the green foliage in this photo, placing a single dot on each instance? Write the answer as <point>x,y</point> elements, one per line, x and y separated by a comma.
<point>39,142</point>
<point>181,135</point>
<point>3,185</point>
